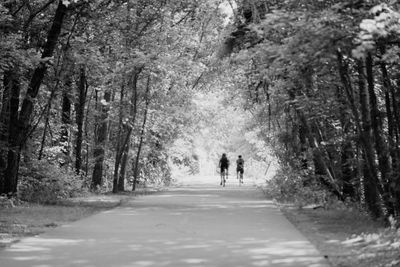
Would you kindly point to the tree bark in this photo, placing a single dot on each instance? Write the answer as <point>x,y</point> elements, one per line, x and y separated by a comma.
<point>393,137</point>
<point>124,162</point>
<point>100,141</point>
<point>136,170</point>
<point>371,185</point>
<point>80,116</point>
<point>4,126</point>
<point>123,150</point>
<point>65,120</point>
<point>380,145</point>
<point>362,119</point>
<point>46,123</point>
<point>11,172</point>
<point>119,149</point>
<point>38,75</point>
<point>8,119</point>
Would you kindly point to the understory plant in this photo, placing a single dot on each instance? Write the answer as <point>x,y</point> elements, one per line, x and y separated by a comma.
<point>300,188</point>
<point>47,182</point>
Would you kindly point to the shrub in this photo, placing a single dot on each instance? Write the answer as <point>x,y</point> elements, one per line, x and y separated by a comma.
<point>46,183</point>
<point>293,186</point>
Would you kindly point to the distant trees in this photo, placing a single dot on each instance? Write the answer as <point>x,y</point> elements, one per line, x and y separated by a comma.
<point>322,76</point>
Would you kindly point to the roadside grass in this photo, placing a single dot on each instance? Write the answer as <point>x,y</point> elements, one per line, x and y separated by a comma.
<point>21,219</point>
<point>32,219</point>
<point>346,237</point>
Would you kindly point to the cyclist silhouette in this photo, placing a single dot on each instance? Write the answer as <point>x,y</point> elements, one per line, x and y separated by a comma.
<point>224,166</point>
<point>239,168</point>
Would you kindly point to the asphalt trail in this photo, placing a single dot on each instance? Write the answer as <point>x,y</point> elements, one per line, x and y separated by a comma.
<point>198,225</point>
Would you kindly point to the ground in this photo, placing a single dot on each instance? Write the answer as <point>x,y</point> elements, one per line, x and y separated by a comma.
<point>21,219</point>
<point>339,234</point>
<point>328,230</point>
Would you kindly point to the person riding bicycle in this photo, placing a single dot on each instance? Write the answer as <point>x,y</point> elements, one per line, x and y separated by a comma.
<point>224,166</point>
<point>240,167</point>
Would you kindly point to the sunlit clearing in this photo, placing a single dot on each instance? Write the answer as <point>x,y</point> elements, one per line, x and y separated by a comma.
<point>219,126</point>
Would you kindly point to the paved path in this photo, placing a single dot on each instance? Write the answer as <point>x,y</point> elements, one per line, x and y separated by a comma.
<point>202,225</point>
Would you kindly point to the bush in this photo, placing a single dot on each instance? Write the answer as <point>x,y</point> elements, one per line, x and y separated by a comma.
<point>293,186</point>
<point>46,183</point>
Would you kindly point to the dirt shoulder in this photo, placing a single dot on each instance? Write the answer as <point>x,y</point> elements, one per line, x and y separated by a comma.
<point>347,238</point>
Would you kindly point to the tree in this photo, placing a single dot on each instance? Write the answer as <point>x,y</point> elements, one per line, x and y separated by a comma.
<point>21,122</point>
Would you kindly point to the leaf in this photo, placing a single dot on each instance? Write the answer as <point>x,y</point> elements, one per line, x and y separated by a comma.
<point>66,2</point>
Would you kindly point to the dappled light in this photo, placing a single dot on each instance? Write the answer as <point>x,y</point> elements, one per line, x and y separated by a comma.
<point>185,226</point>
<point>182,126</point>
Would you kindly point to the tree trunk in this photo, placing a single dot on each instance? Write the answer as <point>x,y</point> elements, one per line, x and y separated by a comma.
<point>348,174</point>
<point>65,120</point>
<point>9,117</point>
<point>363,125</point>
<point>21,120</point>
<point>124,162</point>
<point>119,149</point>
<point>393,136</point>
<point>136,170</point>
<point>46,124</point>
<point>100,141</point>
<point>380,145</point>
<point>124,139</point>
<point>11,172</point>
<point>80,116</point>
<point>370,172</point>
<point>4,126</point>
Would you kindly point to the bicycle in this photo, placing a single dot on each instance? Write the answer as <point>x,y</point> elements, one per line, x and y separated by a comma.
<point>224,174</point>
<point>239,176</point>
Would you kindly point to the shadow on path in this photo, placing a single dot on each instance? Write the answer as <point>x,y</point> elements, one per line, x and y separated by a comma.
<point>184,226</point>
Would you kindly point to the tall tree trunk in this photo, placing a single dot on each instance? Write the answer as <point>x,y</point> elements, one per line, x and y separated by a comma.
<point>11,172</point>
<point>65,120</point>
<point>21,120</point>
<point>303,147</point>
<point>4,126</point>
<point>136,170</point>
<point>348,175</point>
<point>347,155</point>
<point>124,162</point>
<point>100,140</point>
<point>371,185</point>
<point>80,116</point>
<point>394,148</point>
<point>46,123</point>
<point>8,118</point>
<point>123,149</point>
<point>380,145</point>
<point>119,149</point>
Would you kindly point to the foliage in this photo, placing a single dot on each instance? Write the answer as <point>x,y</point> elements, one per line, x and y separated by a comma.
<point>318,79</point>
<point>292,186</point>
<point>44,183</point>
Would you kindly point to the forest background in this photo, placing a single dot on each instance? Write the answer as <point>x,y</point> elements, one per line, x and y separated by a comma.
<point>116,95</point>
<point>110,95</point>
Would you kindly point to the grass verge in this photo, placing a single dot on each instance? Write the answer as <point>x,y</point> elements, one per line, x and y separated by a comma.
<point>347,238</point>
<point>26,219</point>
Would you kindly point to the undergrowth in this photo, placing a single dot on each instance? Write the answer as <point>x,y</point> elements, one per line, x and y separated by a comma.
<point>46,183</point>
<point>289,186</point>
